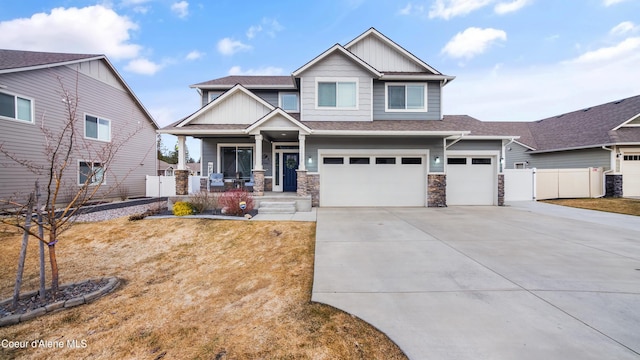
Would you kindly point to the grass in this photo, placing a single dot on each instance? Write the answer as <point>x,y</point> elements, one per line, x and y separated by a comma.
<point>193,289</point>
<point>614,205</point>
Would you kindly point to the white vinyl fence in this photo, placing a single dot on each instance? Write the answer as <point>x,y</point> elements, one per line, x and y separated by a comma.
<point>541,184</point>
<point>166,185</point>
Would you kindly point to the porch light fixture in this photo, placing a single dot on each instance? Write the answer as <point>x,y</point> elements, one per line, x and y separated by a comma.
<point>437,159</point>
<point>309,160</point>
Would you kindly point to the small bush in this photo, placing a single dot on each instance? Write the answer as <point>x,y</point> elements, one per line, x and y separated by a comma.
<point>230,201</point>
<point>202,201</point>
<point>182,208</point>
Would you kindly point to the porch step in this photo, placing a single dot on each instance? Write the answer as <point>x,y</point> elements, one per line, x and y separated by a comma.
<point>279,207</point>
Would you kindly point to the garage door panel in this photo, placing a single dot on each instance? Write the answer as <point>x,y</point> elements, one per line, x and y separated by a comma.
<point>631,175</point>
<point>471,180</point>
<point>378,183</point>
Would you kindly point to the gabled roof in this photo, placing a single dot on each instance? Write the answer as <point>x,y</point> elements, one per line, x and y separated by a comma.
<point>373,32</point>
<point>279,112</point>
<point>19,60</point>
<point>249,82</point>
<point>237,88</point>
<point>337,48</point>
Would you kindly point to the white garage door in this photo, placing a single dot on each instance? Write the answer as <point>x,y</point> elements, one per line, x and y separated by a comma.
<point>631,175</point>
<point>379,179</point>
<point>471,180</point>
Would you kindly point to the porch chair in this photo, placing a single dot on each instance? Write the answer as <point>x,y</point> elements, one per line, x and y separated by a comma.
<point>249,184</point>
<point>216,182</point>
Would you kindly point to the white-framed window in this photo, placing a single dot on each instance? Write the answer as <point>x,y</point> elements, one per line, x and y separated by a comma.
<point>337,93</point>
<point>16,107</point>
<point>97,128</point>
<point>405,97</point>
<point>234,159</point>
<point>520,165</point>
<point>90,173</point>
<point>288,101</point>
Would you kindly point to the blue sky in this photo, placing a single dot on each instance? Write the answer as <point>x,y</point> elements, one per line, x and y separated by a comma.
<point>513,59</point>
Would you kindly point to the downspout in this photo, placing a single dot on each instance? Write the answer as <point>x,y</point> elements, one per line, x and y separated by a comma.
<point>604,173</point>
<point>503,157</point>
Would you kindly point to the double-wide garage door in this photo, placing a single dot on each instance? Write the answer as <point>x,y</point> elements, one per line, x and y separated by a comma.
<point>386,178</point>
<point>631,175</point>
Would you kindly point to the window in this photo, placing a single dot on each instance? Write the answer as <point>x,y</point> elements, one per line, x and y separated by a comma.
<point>333,160</point>
<point>236,159</point>
<point>16,107</point>
<point>457,161</point>
<point>97,128</point>
<point>359,160</point>
<point>91,173</point>
<point>289,102</point>
<point>411,161</point>
<point>481,161</point>
<point>406,97</point>
<point>385,160</point>
<point>631,158</point>
<point>338,94</point>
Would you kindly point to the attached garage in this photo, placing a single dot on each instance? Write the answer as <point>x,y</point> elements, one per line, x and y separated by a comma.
<point>631,174</point>
<point>373,178</point>
<point>472,179</point>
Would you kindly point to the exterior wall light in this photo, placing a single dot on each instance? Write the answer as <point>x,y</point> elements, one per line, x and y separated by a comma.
<point>309,160</point>
<point>437,159</point>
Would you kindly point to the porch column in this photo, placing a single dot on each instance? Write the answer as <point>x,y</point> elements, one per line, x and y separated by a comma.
<point>302,147</point>
<point>258,157</point>
<point>181,154</point>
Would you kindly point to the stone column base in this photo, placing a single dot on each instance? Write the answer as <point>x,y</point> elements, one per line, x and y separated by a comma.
<point>302,182</point>
<point>613,185</point>
<point>500,189</point>
<point>182,182</point>
<point>437,190</point>
<point>258,182</point>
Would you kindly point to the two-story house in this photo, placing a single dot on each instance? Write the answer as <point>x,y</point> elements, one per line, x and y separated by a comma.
<point>33,104</point>
<point>359,125</point>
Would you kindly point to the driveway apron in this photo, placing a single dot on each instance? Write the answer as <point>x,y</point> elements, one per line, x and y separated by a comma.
<point>484,282</point>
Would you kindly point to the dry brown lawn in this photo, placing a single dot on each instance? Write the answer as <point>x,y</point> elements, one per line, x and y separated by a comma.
<point>615,205</point>
<point>193,289</point>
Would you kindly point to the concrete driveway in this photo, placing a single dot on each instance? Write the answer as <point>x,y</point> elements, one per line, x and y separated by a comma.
<point>528,281</point>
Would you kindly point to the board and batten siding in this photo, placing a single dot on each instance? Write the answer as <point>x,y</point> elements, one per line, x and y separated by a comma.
<point>383,57</point>
<point>315,143</point>
<point>335,66</point>
<point>433,104</point>
<point>239,108</point>
<point>134,160</point>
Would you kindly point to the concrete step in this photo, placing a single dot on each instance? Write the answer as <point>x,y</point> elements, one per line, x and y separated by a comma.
<point>272,207</point>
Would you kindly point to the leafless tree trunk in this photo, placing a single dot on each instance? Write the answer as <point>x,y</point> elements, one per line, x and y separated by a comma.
<point>23,252</point>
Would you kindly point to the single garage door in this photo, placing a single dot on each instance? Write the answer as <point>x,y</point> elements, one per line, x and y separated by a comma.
<point>471,180</point>
<point>631,175</point>
<point>378,179</point>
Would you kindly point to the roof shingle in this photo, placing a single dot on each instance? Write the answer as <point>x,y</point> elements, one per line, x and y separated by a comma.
<point>17,59</point>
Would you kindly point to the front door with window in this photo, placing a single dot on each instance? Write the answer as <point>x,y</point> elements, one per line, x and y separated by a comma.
<point>290,163</point>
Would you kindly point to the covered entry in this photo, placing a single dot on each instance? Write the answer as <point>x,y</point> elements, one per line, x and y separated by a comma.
<point>471,179</point>
<point>373,177</point>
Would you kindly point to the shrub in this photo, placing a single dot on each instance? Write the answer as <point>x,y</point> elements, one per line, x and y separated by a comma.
<point>202,201</point>
<point>230,201</point>
<point>182,208</point>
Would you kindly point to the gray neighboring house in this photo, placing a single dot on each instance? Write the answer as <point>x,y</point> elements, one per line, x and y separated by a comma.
<point>606,136</point>
<point>30,98</point>
<point>361,124</point>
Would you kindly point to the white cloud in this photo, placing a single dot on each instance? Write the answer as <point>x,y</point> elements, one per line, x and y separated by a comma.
<point>447,9</point>
<point>624,28</point>
<point>181,9</point>
<point>628,48</point>
<point>93,29</point>
<point>473,41</point>
<point>253,30</point>
<point>612,2</point>
<point>268,70</point>
<point>411,9</point>
<point>194,55</point>
<point>143,66</point>
<point>270,26</point>
<point>228,46</point>
<point>509,7</point>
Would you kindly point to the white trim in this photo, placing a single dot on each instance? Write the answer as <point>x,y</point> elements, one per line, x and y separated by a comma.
<point>342,50</point>
<point>337,80</point>
<point>219,154</point>
<point>281,93</point>
<point>472,153</point>
<point>625,124</point>
<point>98,118</point>
<point>15,107</point>
<point>104,173</point>
<point>396,77</point>
<point>277,154</point>
<point>254,128</point>
<point>386,97</point>
<point>387,132</point>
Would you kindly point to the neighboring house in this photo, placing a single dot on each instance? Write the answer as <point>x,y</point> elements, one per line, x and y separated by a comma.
<point>359,125</point>
<point>606,136</point>
<point>31,100</point>
<point>166,169</point>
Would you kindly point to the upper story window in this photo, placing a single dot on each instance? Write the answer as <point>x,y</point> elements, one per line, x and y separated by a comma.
<point>406,97</point>
<point>97,128</point>
<point>16,107</point>
<point>289,102</point>
<point>337,93</point>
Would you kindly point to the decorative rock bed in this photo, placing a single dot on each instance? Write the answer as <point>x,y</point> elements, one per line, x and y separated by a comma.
<point>69,295</point>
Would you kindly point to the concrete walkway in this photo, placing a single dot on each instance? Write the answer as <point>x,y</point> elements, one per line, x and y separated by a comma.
<point>516,282</point>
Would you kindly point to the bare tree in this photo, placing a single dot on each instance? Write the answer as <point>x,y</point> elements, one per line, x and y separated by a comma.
<point>61,145</point>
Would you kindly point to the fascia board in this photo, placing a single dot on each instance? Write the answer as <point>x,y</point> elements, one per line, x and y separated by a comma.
<point>336,47</point>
